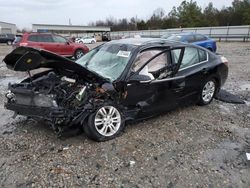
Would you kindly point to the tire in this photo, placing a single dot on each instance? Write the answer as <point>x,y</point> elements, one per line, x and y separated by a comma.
<point>92,42</point>
<point>102,126</point>
<point>78,53</point>
<point>210,49</point>
<point>208,92</point>
<point>9,43</point>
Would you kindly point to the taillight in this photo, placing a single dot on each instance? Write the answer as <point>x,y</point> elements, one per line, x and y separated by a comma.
<point>224,60</point>
<point>23,44</point>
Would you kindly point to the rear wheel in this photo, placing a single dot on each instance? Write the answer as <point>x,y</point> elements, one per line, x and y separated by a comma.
<point>78,53</point>
<point>104,124</point>
<point>92,42</point>
<point>9,42</point>
<point>207,92</point>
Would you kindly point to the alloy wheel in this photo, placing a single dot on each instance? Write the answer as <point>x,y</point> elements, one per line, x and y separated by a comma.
<point>107,121</point>
<point>208,91</point>
<point>79,54</point>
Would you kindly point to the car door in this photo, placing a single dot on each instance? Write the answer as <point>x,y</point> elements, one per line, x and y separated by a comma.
<point>158,94</point>
<point>194,68</point>
<point>47,43</point>
<point>63,45</point>
<point>42,41</point>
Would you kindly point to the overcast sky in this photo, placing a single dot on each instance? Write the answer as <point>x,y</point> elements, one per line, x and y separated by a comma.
<point>25,12</point>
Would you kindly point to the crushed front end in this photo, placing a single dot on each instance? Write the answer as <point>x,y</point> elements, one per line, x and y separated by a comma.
<point>63,101</point>
<point>57,99</point>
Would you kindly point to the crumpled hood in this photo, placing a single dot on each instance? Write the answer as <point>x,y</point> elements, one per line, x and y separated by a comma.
<point>27,59</point>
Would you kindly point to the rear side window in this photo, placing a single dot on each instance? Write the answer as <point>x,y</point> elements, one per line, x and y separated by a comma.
<point>45,38</point>
<point>190,38</point>
<point>2,36</point>
<point>202,55</point>
<point>190,57</point>
<point>200,37</point>
<point>33,38</point>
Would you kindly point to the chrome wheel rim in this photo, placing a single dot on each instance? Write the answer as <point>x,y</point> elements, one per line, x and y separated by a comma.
<point>79,54</point>
<point>208,91</point>
<point>107,120</point>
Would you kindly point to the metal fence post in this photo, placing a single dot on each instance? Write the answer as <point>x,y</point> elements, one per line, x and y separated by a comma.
<point>227,32</point>
<point>210,31</point>
<point>248,34</point>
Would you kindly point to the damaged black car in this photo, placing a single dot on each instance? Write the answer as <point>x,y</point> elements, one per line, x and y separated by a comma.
<point>117,82</point>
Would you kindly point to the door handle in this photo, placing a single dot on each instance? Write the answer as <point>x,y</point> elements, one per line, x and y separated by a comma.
<point>204,71</point>
<point>179,89</point>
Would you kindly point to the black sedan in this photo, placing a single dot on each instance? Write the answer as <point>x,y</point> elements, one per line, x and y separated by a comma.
<point>119,81</point>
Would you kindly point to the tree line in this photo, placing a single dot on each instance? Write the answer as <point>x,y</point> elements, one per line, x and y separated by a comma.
<point>187,14</point>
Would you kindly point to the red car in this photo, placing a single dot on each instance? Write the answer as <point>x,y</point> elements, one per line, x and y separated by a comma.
<point>51,42</point>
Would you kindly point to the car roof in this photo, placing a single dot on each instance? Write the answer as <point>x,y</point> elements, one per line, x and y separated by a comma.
<point>146,41</point>
<point>187,33</point>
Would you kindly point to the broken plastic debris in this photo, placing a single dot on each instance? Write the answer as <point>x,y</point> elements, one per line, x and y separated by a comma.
<point>248,156</point>
<point>131,163</point>
<point>65,148</point>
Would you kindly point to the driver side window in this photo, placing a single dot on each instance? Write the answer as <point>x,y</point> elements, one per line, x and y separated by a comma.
<point>155,66</point>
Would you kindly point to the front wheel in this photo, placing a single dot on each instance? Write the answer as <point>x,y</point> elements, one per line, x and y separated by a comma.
<point>104,124</point>
<point>207,92</point>
<point>78,53</point>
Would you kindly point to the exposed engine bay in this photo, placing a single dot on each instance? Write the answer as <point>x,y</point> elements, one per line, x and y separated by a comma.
<point>62,100</point>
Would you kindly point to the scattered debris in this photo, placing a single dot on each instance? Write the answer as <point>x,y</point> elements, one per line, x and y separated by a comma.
<point>131,163</point>
<point>248,156</point>
<point>225,96</point>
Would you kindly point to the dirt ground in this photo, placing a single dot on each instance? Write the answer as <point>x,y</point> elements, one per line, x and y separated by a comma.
<point>188,147</point>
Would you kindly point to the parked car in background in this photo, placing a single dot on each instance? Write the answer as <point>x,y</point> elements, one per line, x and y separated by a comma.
<point>194,38</point>
<point>106,36</point>
<point>86,40</point>
<point>7,38</point>
<point>53,43</point>
<point>119,81</point>
<point>17,39</point>
<point>166,35</point>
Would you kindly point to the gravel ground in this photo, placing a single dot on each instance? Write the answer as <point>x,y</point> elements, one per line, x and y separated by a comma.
<point>188,147</point>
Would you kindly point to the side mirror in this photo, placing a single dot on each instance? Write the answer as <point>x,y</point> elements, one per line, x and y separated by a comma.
<point>139,78</point>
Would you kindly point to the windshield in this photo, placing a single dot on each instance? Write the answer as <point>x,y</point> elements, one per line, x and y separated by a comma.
<point>109,60</point>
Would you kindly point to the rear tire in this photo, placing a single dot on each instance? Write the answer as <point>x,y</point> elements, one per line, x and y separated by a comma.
<point>104,124</point>
<point>9,43</point>
<point>207,92</point>
<point>78,53</point>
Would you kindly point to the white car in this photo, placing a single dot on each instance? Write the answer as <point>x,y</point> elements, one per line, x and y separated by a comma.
<point>86,40</point>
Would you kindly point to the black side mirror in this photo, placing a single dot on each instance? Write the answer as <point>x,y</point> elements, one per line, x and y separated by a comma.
<point>139,78</point>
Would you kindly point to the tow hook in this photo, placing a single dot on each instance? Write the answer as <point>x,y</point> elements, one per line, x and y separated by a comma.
<point>10,96</point>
